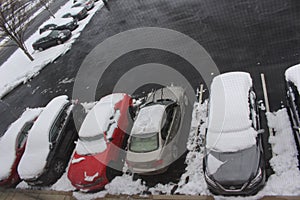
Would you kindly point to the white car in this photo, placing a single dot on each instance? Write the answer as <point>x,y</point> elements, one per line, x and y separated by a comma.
<point>153,142</point>
<point>88,4</point>
<point>234,159</point>
<point>292,78</point>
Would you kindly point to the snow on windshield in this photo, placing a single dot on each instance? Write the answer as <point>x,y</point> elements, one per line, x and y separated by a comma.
<point>8,141</point>
<point>98,119</point>
<point>91,146</point>
<point>37,148</point>
<point>148,120</point>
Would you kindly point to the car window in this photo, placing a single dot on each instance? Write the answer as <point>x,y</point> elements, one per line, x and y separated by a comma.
<point>144,143</point>
<point>175,124</point>
<point>167,122</point>
<point>58,124</point>
<point>23,134</point>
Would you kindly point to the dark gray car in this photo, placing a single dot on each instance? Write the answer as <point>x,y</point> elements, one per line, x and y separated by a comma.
<point>234,159</point>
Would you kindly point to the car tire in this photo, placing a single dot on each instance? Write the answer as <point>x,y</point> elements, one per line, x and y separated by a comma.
<point>41,49</point>
<point>59,167</point>
<point>59,42</point>
<point>112,172</point>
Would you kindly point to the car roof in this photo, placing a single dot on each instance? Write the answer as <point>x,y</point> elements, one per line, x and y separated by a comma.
<point>293,74</point>
<point>98,119</point>
<point>149,119</point>
<point>229,102</point>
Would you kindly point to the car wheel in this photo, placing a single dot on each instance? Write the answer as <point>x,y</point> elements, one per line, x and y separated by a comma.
<point>59,167</point>
<point>112,172</point>
<point>59,42</point>
<point>41,49</point>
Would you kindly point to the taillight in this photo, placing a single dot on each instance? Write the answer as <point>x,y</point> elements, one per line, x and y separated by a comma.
<point>157,163</point>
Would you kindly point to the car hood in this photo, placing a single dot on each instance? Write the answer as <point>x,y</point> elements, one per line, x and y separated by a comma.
<point>87,169</point>
<point>235,168</point>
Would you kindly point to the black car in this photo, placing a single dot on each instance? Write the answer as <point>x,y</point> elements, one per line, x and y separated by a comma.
<point>62,24</point>
<point>78,13</point>
<point>292,77</point>
<point>51,38</point>
<point>50,143</point>
<point>234,157</point>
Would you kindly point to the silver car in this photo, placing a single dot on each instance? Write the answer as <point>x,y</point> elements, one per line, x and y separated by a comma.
<point>154,139</point>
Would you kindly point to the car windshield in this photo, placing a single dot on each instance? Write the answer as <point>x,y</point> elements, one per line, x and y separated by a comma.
<point>91,145</point>
<point>54,34</point>
<point>235,167</point>
<point>144,143</point>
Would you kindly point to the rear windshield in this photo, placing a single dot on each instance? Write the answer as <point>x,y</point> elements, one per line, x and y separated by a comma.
<point>144,143</point>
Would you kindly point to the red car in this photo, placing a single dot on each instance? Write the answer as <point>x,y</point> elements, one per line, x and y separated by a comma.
<point>12,146</point>
<point>102,136</point>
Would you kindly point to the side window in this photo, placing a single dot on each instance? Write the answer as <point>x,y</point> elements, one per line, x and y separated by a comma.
<point>23,134</point>
<point>175,124</point>
<point>168,121</point>
<point>58,124</point>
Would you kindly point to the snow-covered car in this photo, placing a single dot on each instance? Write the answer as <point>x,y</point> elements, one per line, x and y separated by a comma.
<point>12,146</point>
<point>60,24</point>
<point>77,13</point>
<point>234,158</point>
<point>98,155</point>
<point>88,4</point>
<point>292,78</point>
<point>154,138</point>
<point>51,38</point>
<point>50,144</point>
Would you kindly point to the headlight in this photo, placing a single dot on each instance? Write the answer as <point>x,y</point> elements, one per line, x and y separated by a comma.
<point>256,179</point>
<point>209,180</point>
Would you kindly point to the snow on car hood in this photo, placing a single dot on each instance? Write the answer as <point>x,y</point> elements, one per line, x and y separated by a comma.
<point>293,74</point>
<point>148,120</point>
<point>98,119</point>
<point>37,148</point>
<point>8,141</point>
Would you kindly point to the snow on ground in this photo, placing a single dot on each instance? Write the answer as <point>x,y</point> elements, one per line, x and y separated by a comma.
<point>192,182</point>
<point>19,69</point>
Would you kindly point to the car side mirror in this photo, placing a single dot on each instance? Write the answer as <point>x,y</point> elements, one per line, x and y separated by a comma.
<point>296,128</point>
<point>51,145</point>
<point>110,139</point>
<point>260,131</point>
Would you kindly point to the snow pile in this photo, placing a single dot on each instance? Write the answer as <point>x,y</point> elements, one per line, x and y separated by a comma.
<point>8,141</point>
<point>192,182</point>
<point>37,149</point>
<point>125,185</point>
<point>19,69</point>
<point>286,180</point>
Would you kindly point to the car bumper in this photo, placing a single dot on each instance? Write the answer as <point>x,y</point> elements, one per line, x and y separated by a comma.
<point>217,189</point>
<point>91,187</point>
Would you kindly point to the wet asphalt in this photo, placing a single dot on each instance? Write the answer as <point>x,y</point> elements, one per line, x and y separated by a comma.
<point>244,35</point>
